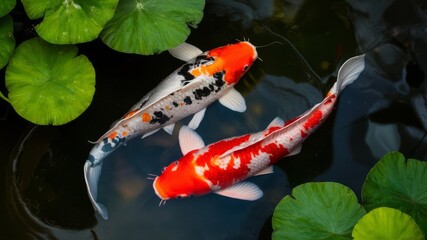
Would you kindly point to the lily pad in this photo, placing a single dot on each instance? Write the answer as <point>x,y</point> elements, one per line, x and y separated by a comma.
<point>317,211</point>
<point>70,21</point>
<point>387,223</point>
<point>398,183</point>
<point>6,6</point>
<point>7,41</point>
<point>148,27</point>
<point>49,84</point>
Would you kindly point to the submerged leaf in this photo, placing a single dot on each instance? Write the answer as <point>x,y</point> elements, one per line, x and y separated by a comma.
<point>317,211</point>
<point>49,84</point>
<point>7,42</point>
<point>398,183</point>
<point>6,6</point>
<point>148,27</point>
<point>387,223</point>
<point>70,21</point>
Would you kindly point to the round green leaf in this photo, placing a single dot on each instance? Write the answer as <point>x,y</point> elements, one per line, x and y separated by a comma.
<point>7,42</point>
<point>70,21</point>
<point>387,223</point>
<point>6,6</point>
<point>398,183</point>
<point>49,84</point>
<point>317,211</point>
<point>148,27</point>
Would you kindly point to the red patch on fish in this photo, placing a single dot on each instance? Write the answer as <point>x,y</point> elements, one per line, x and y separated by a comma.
<point>314,120</point>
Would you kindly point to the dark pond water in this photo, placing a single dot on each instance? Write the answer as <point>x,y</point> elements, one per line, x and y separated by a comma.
<point>43,195</point>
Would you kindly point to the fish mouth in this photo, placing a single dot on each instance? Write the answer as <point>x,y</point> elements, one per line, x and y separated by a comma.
<point>158,190</point>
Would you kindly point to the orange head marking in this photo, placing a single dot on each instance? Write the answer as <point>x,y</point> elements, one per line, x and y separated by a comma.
<point>237,59</point>
<point>180,179</point>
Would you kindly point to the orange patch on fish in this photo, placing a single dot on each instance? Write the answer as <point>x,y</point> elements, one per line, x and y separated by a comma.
<point>216,66</point>
<point>124,134</point>
<point>112,135</point>
<point>130,114</point>
<point>146,117</point>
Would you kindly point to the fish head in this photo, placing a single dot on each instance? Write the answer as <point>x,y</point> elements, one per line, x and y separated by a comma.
<point>236,59</point>
<point>179,180</point>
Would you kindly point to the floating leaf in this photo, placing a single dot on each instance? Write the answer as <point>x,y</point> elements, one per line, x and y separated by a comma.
<point>387,223</point>
<point>398,183</point>
<point>49,84</point>
<point>7,42</point>
<point>6,6</point>
<point>317,211</point>
<point>148,27</point>
<point>70,21</point>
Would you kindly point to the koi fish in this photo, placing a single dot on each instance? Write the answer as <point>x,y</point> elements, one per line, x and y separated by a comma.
<point>205,78</point>
<point>222,166</point>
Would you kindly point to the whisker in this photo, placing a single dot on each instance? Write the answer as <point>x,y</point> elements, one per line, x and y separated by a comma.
<point>153,175</point>
<point>269,44</point>
<point>162,202</point>
<point>151,178</point>
<point>260,59</point>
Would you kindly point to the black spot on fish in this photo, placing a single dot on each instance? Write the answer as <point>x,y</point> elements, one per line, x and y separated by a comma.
<point>91,159</point>
<point>159,118</point>
<point>108,147</point>
<point>175,104</point>
<point>202,59</point>
<point>219,80</point>
<point>201,93</point>
<point>187,100</point>
<point>184,71</point>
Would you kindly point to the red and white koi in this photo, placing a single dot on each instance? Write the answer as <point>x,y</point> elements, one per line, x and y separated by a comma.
<point>205,78</point>
<point>221,166</point>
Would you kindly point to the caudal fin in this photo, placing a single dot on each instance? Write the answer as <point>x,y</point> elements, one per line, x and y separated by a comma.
<point>348,72</point>
<point>92,174</point>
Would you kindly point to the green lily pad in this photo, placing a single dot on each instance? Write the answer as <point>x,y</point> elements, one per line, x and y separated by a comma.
<point>148,27</point>
<point>7,41</point>
<point>49,84</point>
<point>398,183</point>
<point>387,223</point>
<point>317,211</point>
<point>70,21</point>
<point>6,6</point>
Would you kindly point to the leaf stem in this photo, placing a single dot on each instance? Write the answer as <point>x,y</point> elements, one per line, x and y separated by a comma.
<point>4,98</point>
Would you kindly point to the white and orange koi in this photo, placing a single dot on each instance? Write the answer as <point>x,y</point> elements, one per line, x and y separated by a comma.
<point>205,78</point>
<point>222,166</point>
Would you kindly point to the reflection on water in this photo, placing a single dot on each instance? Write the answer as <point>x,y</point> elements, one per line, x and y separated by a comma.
<point>45,192</point>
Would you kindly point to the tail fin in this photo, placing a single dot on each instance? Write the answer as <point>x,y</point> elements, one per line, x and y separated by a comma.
<point>348,72</point>
<point>92,174</point>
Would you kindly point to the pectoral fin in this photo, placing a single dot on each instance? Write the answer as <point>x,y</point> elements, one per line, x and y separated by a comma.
<point>243,191</point>
<point>197,119</point>
<point>189,140</point>
<point>92,174</point>
<point>234,101</point>
<point>185,52</point>
<point>169,128</point>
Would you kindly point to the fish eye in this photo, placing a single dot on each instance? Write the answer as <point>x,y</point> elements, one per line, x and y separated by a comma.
<point>176,162</point>
<point>245,67</point>
<point>163,169</point>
